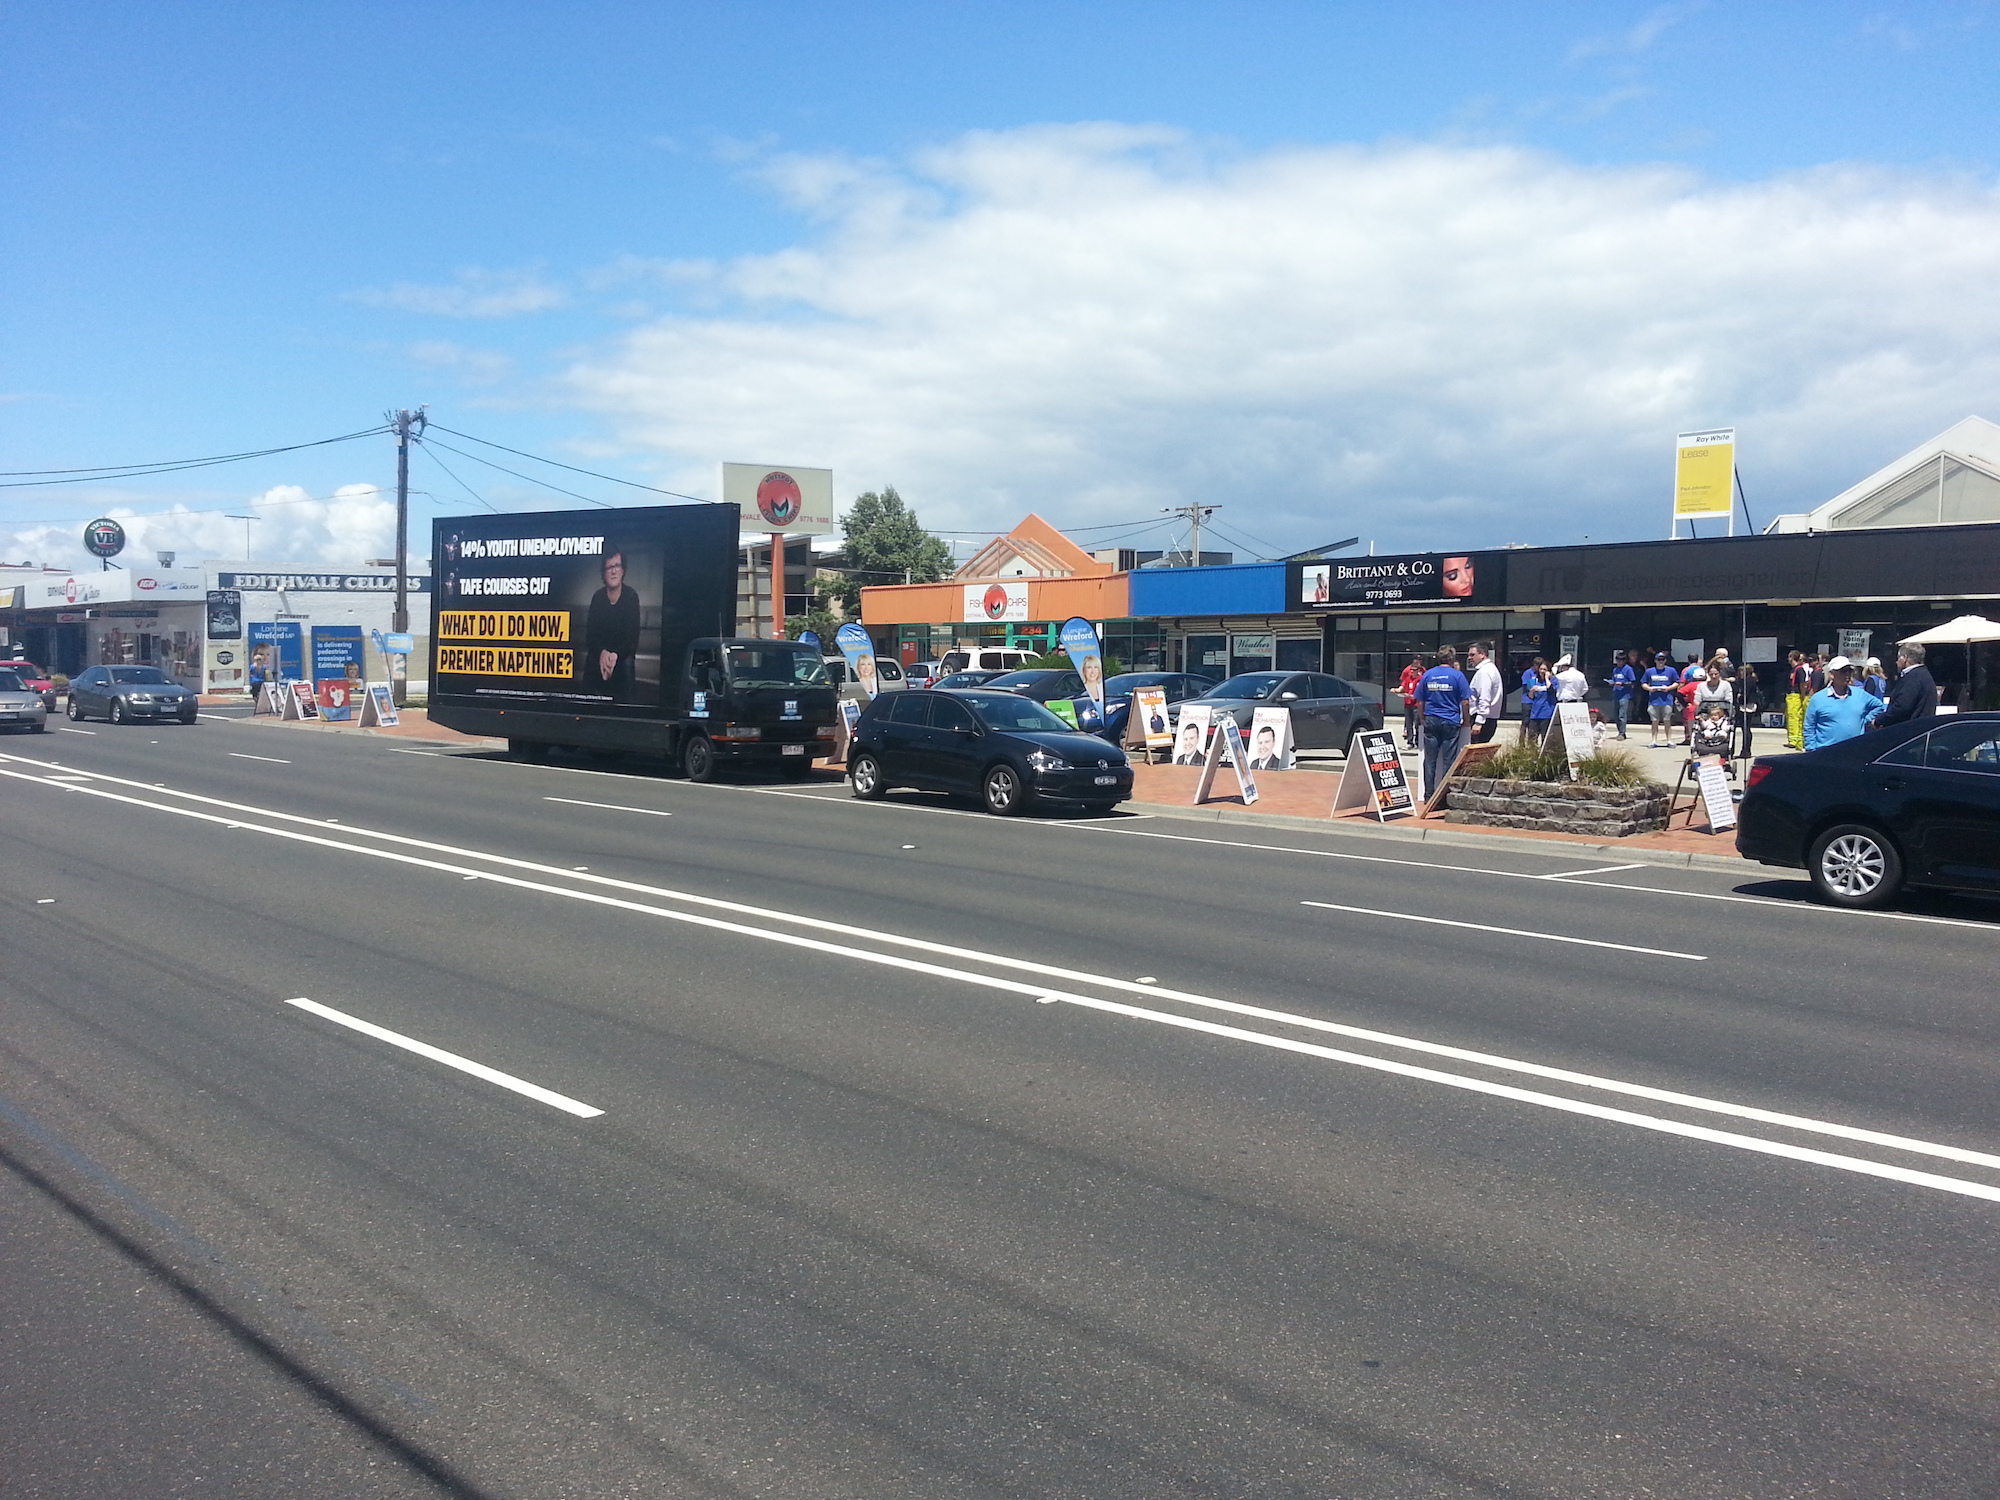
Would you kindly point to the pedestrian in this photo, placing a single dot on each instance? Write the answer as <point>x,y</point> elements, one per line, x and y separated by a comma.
<point>1749,702</point>
<point>1489,694</point>
<point>1624,681</point>
<point>1661,683</point>
<point>1714,689</point>
<point>1798,680</point>
<point>1447,702</point>
<point>1819,664</point>
<point>1840,710</point>
<point>1571,685</point>
<point>1915,694</point>
<point>1692,676</point>
<point>1412,675</point>
<point>1721,659</point>
<point>1538,699</point>
<point>1873,680</point>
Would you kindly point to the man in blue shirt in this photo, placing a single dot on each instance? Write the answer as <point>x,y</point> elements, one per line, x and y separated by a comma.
<point>1840,710</point>
<point>1661,683</point>
<point>1444,696</point>
<point>1624,680</point>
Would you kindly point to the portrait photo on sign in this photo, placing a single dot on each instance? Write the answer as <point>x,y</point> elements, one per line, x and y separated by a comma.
<point>1191,735</point>
<point>1271,747</point>
<point>1315,583</point>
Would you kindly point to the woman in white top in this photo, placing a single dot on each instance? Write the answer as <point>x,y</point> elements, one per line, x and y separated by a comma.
<point>1717,689</point>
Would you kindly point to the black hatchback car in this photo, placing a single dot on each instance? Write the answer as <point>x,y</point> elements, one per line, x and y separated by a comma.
<point>1004,749</point>
<point>1915,804</point>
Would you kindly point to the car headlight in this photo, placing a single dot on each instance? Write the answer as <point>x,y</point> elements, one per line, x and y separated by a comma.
<point>1047,760</point>
<point>139,697</point>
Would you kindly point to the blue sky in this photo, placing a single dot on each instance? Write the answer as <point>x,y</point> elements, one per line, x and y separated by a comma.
<point>1059,257</point>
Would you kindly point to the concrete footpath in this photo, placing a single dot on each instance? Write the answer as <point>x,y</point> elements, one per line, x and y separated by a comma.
<point>1286,800</point>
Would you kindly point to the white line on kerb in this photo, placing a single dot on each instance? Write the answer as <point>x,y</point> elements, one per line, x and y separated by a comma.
<point>398,750</point>
<point>1548,937</point>
<point>450,1059</point>
<point>239,755</point>
<point>67,730</point>
<point>1607,870</point>
<point>651,812</point>
<point>1038,991</point>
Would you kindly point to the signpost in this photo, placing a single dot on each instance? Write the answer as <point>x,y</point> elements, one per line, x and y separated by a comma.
<point>1374,778</point>
<point>1714,783</point>
<point>1704,477</point>
<point>378,708</point>
<point>1572,721</point>
<point>1227,741</point>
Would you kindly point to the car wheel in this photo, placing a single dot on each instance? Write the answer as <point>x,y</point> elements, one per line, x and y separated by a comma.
<point>118,710</point>
<point>1855,866</point>
<point>189,718</point>
<point>75,709</point>
<point>41,728</point>
<point>698,759</point>
<point>865,776</point>
<point>1002,791</point>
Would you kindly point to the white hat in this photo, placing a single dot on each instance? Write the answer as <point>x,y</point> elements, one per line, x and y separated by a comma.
<point>1564,661</point>
<point>1839,664</point>
<point>1874,661</point>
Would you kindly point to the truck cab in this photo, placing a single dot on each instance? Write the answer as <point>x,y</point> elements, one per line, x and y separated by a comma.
<point>745,701</point>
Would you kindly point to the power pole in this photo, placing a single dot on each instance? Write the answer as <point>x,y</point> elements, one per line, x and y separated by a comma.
<point>1195,515</point>
<point>403,421</point>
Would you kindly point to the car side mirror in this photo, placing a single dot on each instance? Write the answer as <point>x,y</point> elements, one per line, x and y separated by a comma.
<point>1288,697</point>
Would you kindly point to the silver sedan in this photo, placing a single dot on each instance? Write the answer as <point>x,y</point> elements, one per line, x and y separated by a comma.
<point>21,707</point>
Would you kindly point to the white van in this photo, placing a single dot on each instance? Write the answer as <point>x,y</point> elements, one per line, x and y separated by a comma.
<point>888,676</point>
<point>985,659</point>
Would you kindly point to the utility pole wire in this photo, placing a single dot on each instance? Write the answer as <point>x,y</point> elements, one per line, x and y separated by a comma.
<point>107,472</point>
<point>558,464</point>
<point>542,484</point>
<point>455,479</point>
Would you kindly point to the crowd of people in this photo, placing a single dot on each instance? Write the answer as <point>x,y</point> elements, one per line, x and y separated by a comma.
<point>1714,703</point>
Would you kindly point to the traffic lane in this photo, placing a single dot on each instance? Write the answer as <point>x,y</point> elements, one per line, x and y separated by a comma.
<point>1774,1034</point>
<point>810,1124</point>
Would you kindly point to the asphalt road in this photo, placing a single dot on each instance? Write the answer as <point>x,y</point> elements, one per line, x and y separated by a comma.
<point>895,1150</point>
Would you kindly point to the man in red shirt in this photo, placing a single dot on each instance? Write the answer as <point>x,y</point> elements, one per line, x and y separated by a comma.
<point>1412,675</point>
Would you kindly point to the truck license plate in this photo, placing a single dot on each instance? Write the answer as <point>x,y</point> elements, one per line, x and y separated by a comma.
<point>795,749</point>
<point>1107,781</point>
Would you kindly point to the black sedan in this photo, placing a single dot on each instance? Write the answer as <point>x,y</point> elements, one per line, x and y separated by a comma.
<point>1916,804</point>
<point>122,694</point>
<point>967,679</point>
<point>1004,749</point>
<point>1118,691</point>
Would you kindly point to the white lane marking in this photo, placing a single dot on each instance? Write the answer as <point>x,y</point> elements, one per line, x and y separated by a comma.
<point>398,750</point>
<point>239,755</point>
<point>1548,937</point>
<point>450,1059</point>
<point>1607,870</point>
<point>1571,878</point>
<point>1413,1044</point>
<point>69,776</point>
<point>218,718</point>
<point>651,812</point>
<point>67,730</point>
<point>45,901</point>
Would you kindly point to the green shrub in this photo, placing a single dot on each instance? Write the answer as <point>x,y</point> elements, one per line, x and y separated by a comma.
<point>1527,762</point>
<point>1612,767</point>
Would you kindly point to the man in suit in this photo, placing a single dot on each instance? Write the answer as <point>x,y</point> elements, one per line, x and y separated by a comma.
<point>1915,694</point>
<point>1264,752</point>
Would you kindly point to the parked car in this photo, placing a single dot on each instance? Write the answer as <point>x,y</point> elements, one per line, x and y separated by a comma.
<point>1327,713</point>
<point>122,694</point>
<point>21,707</point>
<point>1052,685</point>
<point>922,674</point>
<point>985,659</point>
<point>888,677</point>
<point>966,679</point>
<point>34,679</point>
<point>1178,686</point>
<point>1006,750</point>
<point>1916,804</point>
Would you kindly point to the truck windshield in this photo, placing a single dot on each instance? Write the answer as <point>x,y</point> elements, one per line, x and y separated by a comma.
<point>778,665</point>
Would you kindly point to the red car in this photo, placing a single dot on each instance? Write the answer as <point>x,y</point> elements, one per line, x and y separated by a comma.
<point>35,679</point>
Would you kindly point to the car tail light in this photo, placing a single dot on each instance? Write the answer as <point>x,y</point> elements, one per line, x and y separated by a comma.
<point>1758,771</point>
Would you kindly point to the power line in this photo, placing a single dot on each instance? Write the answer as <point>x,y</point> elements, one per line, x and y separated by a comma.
<point>538,483</point>
<point>107,472</point>
<point>558,464</point>
<point>459,482</point>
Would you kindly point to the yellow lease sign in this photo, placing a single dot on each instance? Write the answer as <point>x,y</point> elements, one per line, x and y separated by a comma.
<point>1705,473</point>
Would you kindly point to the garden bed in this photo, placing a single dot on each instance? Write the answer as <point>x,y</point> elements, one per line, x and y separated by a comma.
<point>1557,806</point>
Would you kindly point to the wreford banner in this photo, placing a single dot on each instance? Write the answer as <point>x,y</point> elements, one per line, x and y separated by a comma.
<point>318,583</point>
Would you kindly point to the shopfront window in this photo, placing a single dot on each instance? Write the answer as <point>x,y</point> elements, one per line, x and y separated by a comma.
<point>1298,653</point>
<point>1208,656</point>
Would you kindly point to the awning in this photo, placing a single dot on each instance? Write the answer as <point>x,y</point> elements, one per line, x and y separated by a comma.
<point>1959,632</point>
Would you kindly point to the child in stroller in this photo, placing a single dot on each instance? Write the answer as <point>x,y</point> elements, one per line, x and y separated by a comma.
<point>1713,733</point>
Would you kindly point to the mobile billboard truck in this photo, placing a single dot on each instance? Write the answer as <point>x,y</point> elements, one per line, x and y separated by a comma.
<point>615,630</point>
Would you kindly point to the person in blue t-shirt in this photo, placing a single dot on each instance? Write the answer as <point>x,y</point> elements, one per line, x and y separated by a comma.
<point>1445,696</point>
<point>1662,684</point>
<point>1538,699</point>
<point>1624,680</point>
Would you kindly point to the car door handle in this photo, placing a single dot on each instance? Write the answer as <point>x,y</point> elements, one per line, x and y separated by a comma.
<point>1892,783</point>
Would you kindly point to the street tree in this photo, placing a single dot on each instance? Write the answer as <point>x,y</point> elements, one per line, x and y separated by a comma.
<point>884,541</point>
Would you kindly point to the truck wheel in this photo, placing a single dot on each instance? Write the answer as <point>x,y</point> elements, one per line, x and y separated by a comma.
<point>698,759</point>
<point>865,775</point>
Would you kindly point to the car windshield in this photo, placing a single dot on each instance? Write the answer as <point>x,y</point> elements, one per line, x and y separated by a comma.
<point>10,682</point>
<point>1021,679</point>
<point>1249,685</point>
<point>1122,685</point>
<point>776,666</point>
<point>966,679</point>
<point>1006,711</point>
<point>149,676</point>
<point>26,668</point>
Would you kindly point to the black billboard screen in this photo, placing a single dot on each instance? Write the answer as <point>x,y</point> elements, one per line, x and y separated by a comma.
<point>583,611</point>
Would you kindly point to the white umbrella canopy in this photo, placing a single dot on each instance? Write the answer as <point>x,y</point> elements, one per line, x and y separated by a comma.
<point>1959,632</point>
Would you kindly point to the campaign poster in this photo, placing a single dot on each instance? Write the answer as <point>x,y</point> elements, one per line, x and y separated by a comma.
<point>280,647</point>
<point>1388,782</point>
<point>225,615</point>
<point>1226,744</point>
<point>1148,719</point>
<point>337,697</point>
<point>302,704</point>
<point>1086,654</point>
<point>378,707</point>
<point>1063,709</point>
<point>810,638</point>
<point>1271,747</point>
<point>574,610</point>
<point>860,653</point>
<point>1191,734</point>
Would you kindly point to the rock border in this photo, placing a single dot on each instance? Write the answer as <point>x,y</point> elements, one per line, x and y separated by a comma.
<point>1557,806</point>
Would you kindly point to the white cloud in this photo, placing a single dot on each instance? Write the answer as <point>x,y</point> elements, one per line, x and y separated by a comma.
<point>476,294</point>
<point>1430,345</point>
<point>1638,37</point>
<point>356,522</point>
<point>473,366</point>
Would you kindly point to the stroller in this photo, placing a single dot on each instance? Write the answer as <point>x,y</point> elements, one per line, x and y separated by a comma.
<point>1712,733</point>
